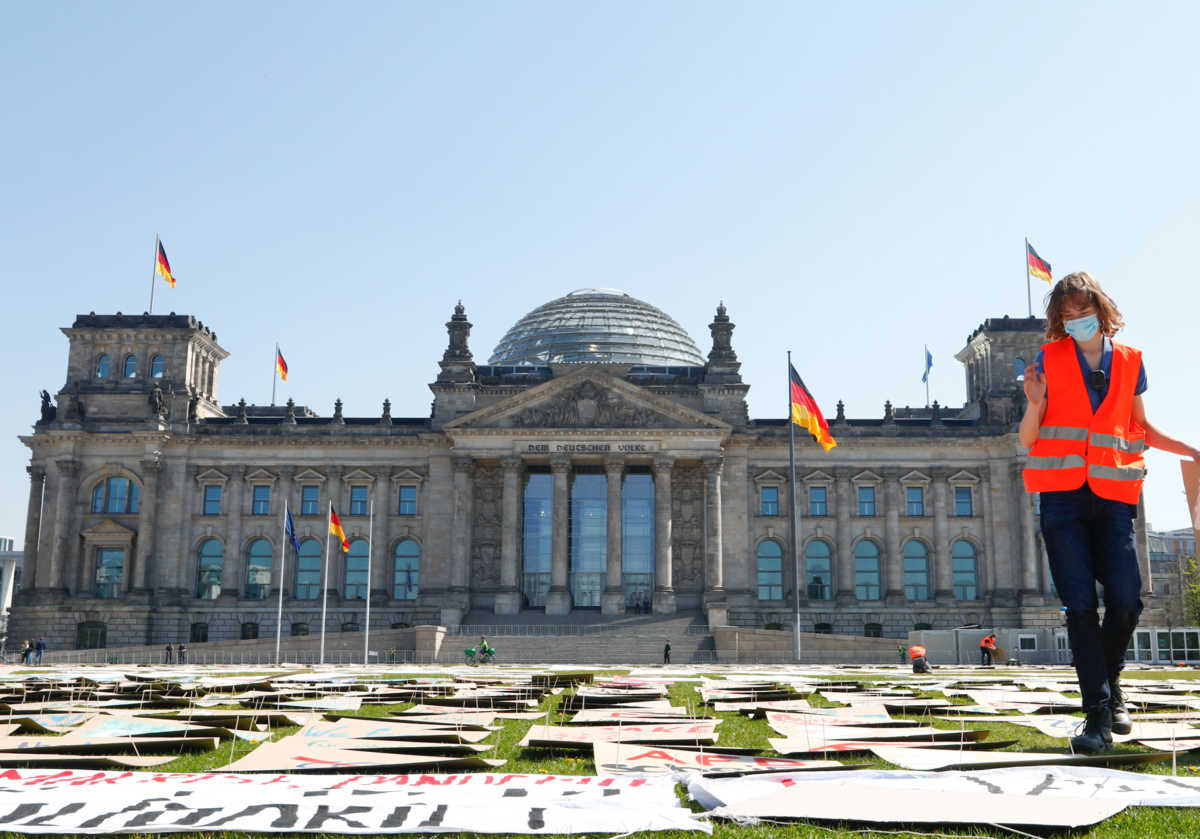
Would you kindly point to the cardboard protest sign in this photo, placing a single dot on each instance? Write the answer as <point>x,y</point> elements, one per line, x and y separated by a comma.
<point>380,729</point>
<point>624,759</point>
<point>610,716</point>
<point>781,720</point>
<point>838,802</point>
<point>411,747</point>
<point>141,727</point>
<point>290,755</point>
<point>756,708</point>
<point>582,736</point>
<point>833,734</point>
<point>1191,486</point>
<point>101,803</point>
<point>98,761</point>
<point>795,748</point>
<point>441,716</point>
<point>1057,725</point>
<point>106,745</point>
<point>936,760</point>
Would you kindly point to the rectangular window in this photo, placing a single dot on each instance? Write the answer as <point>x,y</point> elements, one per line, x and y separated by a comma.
<point>1026,642</point>
<point>866,501</point>
<point>916,500</point>
<point>770,501</point>
<point>818,501</point>
<point>262,501</point>
<point>358,501</point>
<point>310,498</point>
<point>962,501</point>
<point>408,501</point>
<point>110,571</point>
<point>212,500</point>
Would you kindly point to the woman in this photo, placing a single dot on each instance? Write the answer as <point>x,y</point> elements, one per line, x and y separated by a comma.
<point>1086,428</point>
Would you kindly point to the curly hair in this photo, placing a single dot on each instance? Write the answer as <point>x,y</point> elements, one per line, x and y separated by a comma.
<point>1079,287</point>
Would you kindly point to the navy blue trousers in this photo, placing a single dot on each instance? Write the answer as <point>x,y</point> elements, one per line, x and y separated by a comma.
<point>1090,540</point>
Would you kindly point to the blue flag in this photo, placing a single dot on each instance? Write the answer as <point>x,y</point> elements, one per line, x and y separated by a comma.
<point>928,364</point>
<point>290,530</point>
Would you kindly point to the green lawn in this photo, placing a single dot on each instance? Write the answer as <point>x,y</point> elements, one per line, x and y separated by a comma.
<point>739,730</point>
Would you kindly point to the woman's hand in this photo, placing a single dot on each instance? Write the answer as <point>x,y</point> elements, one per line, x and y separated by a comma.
<point>1035,385</point>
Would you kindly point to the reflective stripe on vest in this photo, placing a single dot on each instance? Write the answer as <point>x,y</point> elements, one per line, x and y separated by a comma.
<point>1109,441</point>
<point>1062,432</point>
<point>1116,473</point>
<point>1070,461</point>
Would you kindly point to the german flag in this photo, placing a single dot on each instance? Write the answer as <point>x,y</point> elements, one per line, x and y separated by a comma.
<point>280,365</point>
<point>806,414</point>
<point>163,268</point>
<point>335,527</point>
<point>1038,267</point>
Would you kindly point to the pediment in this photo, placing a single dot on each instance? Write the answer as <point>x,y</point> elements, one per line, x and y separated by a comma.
<point>407,476</point>
<point>586,398</point>
<point>818,477</point>
<point>358,476</point>
<point>770,476</point>
<point>107,529</point>
<point>867,477</point>
<point>915,477</point>
<point>212,476</point>
<point>260,476</point>
<point>309,476</point>
<point>963,478</point>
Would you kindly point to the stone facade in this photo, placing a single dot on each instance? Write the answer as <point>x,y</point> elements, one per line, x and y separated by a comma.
<point>155,511</point>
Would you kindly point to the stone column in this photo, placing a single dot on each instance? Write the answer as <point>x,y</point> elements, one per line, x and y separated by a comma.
<point>381,555</point>
<point>235,556</point>
<point>1005,561</point>
<point>714,554</point>
<point>334,575</point>
<point>464,497</point>
<point>892,557</point>
<point>508,598</point>
<point>613,601</point>
<point>173,575</point>
<point>843,557</point>
<point>33,520</point>
<point>664,591</point>
<point>943,576</point>
<point>66,539</point>
<point>281,572</point>
<point>1031,591</point>
<point>147,525</point>
<point>558,598</point>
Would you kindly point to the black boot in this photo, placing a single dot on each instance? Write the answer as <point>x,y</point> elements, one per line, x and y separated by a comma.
<point>1122,723</point>
<point>1097,732</point>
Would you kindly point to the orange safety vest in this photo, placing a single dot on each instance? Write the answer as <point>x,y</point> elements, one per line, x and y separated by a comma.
<point>987,643</point>
<point>916,651</point>
<point>1106,449</point>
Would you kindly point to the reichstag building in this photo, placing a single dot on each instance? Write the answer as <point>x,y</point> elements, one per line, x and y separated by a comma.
<point>598,461</point>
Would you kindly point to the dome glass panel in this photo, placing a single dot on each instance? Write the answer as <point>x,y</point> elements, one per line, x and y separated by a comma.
<point>597,325</point>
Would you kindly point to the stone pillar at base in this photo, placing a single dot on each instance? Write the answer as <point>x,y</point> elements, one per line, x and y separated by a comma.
<point>427,642</point>
<point>664,601</point>
<point>452,616</point>
<point>613,602</point>
<point>508,602</point>
<point>558,601</point>
<point>718,615</point>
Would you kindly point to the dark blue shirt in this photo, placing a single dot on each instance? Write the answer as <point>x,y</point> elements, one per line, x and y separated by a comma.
<point>1106,365</point>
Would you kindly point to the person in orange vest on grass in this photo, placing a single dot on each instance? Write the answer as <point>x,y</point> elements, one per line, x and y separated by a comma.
<point>920,663</point>
<point>986,646</point>
<point>1086,430</point>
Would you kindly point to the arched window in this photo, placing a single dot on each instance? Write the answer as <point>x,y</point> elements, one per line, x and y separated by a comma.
<point>356,571</point>
<point>405,569</point>
<point>258,569</point>
<point>115,495</point>
<point>916,570</point>
<point>1019,366</point>
<point>818,564</point>
<point>308,570</point>
<point>209,566</point>
<point>156,367</point>
<point>102,365</point>
<point>966,571</point>
<point>770,571</point>
<point>866,570</point>
<point>130,366</point>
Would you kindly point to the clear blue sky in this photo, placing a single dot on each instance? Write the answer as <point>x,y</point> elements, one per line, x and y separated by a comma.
<point>853,180</point>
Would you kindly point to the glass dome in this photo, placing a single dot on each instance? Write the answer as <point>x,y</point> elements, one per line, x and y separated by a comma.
<point>597,325</point>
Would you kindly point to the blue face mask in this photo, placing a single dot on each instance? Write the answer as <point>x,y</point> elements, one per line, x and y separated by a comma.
<point>1082,329</point>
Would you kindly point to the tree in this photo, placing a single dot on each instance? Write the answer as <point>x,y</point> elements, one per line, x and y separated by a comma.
<point>1191,590</point>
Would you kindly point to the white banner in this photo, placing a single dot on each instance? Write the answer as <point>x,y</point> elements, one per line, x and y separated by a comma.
<point>81,802</point>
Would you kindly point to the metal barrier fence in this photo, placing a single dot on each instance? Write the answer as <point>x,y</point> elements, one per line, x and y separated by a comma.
<point>261,658</point>
<point>546,629</point>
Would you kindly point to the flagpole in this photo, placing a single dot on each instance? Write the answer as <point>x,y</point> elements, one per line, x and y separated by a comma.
<point>367,619</point>
<point>282,576</point>
<point>325,578</point>
<point>1028,291</point>
<point>925,361</point>
<point>795,524</point>
<point>274,373</point>
<point>154,272</point>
